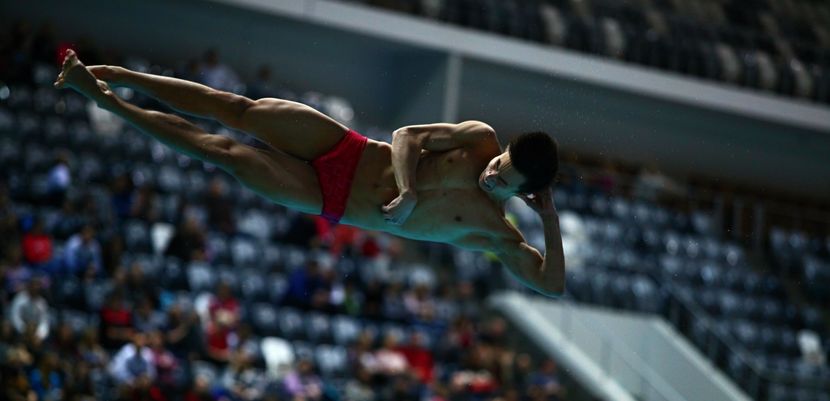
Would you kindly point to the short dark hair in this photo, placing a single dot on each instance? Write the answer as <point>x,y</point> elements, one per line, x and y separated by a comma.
<point>536,156</point>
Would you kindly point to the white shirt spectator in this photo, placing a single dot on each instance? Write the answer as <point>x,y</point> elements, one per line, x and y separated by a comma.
<point>79,253</point>
<point>29,310</point>
<point>131,363</point>
<point>60,177</point>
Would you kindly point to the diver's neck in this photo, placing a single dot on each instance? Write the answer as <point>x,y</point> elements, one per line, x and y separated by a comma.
<point>499,198</point>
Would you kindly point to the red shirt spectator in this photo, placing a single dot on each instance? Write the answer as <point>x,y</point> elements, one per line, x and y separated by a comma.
<point>224,317</point>
<point>37,245</point>
<point>419,357</point>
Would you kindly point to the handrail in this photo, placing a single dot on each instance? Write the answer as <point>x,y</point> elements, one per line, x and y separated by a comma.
<point>632,360</point>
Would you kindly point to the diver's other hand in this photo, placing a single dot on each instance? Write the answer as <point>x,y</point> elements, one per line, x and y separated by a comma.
<point>397,211</point>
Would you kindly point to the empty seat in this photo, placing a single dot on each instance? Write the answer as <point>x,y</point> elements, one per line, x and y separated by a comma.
<point>317,328</point>
<point>200,277</point>
<point>264,319</point>
<point>332,360</point>
<point>252,285</point>
<point>244,252</point>
<point>173,276</point>
<point>69,293</point>
<point>276,286</point>
<point>290,323</point>
<point>95,294</point>
<point>303,350</point>
<point>137,236</point>
<point>345,330</point>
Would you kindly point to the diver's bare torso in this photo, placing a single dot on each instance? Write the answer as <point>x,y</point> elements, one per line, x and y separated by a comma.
<point>451,207</point>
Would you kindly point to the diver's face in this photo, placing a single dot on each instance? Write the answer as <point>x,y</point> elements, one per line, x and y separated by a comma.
<point>500,177</point>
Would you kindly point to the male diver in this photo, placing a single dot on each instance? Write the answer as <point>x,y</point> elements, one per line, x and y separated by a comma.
<point>435,182</point>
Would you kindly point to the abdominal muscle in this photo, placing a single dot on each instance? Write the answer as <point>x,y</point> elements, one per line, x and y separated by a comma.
<point>443,213</point>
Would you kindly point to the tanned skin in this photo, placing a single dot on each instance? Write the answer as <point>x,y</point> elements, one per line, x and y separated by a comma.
<point>437,182</point>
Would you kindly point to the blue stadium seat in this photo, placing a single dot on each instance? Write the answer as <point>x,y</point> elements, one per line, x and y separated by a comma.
<point>95,294</point>
<point>201,277</point>
<point>137,236</point>
<point>290,322</point>
<point>276,286</point>
<point>264,319</point>
<point>252,285</point>
<point>317,328</point>
<point>332,360</point>
<point>244,252</point>
<point>345,330</point>
<point>173,275</point>
<point>69,293</point>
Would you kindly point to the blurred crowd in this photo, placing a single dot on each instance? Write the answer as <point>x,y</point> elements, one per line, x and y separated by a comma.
<point>147,342</point>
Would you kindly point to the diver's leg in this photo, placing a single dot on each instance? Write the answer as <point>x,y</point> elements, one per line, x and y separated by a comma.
<point>291,127</point>
<point>279,177</point>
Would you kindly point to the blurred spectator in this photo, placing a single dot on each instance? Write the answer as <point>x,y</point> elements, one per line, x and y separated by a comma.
<point>146,319</point>
<point>91,351</point>
<point>63,341</point>
<point>139,287</point>
<point>59,180</point>
<point>133,364</point>
<point>419,304</point>
<point>29,311</point>
<point>402,388</point>
<point>243,381</point>
<point>37,245</point>
<point>112,252</point>
<point>419,357</point>
<point>373,299</point>
<point>219,210</point>
<point>303,383</point>
<point>82,251</point>
<point>145,205</point>
<point>116,321</point>
<point>123,195</point>
<point>15,273</point>
<point>9,227</point>
<point>217,75</point>
<point>224,318</point>
<point>168,372</point>
<point>393,305</point>
<point>302,285</point>
<point>521,372</point>
<point>80,383</point>
<point>359,387</point>
<point>182,331</point>
<point>188,243</point>
<point>390,360</point>
<point>473,378</point>
<point>47,379</point>
<point>544,384</point>
<point>361,353</point>
<point>352,298</point>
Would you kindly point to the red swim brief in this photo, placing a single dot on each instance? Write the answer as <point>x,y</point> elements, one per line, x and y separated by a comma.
<point>335,172</point>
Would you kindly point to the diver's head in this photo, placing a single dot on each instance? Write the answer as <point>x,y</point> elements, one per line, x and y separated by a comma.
<point>528,165</point>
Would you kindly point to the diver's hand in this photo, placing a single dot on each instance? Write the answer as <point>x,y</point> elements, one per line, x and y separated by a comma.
<point>541,202</point>
<point>397,211</point>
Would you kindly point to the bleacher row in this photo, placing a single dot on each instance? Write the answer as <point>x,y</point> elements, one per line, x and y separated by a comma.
<point>781,46</point>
